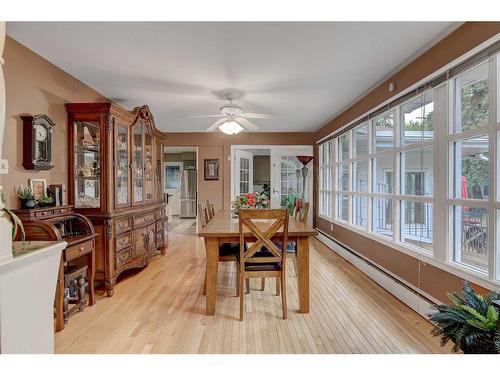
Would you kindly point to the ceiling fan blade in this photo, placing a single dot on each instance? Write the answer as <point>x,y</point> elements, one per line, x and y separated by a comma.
<point>246,124</point>
<point>205,116</point>
<point>216,124</point>
<point>258,115</point>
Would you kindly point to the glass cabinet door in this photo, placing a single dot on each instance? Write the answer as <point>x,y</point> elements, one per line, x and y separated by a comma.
<point>148,167</point>
<point>87,164</point>
<point>122,180</point>
<point>138,160</point>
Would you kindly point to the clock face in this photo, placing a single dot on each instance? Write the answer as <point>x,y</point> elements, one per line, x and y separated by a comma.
<point>40,133</point>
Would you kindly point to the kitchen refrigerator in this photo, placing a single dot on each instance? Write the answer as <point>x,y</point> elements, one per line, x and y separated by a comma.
<point>188,193</point>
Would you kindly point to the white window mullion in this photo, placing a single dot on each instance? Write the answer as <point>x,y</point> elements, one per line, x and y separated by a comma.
<point>396,179</point>
<point>441,174</point>
<point>492,153</point>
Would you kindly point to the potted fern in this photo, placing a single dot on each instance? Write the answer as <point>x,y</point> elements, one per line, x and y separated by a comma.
<point>471,323</point>
<point>26,196</point>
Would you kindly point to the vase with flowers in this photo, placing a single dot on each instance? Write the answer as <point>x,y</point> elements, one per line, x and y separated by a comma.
<point>250,200</point>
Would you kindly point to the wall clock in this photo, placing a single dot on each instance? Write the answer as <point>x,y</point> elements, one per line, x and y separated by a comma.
<point>37,142</point>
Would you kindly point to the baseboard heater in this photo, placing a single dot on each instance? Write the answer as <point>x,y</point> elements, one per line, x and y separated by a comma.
<point>413,297</point>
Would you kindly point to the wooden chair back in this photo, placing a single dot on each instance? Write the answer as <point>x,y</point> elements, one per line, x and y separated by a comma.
<point>278,219</point>
<point>210,209</point>
<point>202,214</point>
<point>296,204</point>
<point>301,210</point>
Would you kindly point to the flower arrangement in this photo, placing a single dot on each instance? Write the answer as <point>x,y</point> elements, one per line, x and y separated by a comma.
<point>251,200</point>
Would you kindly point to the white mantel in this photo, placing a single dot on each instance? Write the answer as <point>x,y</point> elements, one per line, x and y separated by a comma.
<point>27,288</point>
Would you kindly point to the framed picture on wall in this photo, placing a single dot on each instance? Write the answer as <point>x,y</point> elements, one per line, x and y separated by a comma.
<point>211,169</point>
<point>38,187</point>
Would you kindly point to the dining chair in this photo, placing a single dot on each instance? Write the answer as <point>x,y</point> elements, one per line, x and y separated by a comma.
<point>210,209</point>
<point>202,214</point>
<point>227,251</point>
<point>252,260</point>
<point>301,213</point>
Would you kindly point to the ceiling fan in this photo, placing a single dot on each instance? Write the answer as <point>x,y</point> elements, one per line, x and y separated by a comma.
<point>232,118</point>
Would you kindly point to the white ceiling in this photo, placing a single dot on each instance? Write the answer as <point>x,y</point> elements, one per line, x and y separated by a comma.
<point>306,73</point>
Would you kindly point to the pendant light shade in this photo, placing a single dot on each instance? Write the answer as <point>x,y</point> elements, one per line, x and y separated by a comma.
<point>230,127</point>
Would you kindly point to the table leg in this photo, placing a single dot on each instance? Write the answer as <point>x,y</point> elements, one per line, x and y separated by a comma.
<point>303,273</point>
<point>90,276</point>
<point>212,251</point>
<point>60,297</point>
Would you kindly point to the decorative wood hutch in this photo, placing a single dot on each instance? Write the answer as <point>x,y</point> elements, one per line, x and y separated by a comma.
<point>115,175</point>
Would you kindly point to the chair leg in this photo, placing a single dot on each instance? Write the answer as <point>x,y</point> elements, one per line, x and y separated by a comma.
<point>247,282</point>
<point>283,294</point>
<point>242,296</point>
<point>237,281</point>
<point>262,283</point>
<point>277,285</point>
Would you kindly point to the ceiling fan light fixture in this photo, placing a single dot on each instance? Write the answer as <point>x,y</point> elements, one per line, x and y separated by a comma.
<point>230,127</point>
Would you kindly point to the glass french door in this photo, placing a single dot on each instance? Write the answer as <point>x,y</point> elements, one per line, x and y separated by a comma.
<point>286,176</point>
<point>243,172</point>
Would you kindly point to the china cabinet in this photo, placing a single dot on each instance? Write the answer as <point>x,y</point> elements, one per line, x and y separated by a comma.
<point>115,180</point>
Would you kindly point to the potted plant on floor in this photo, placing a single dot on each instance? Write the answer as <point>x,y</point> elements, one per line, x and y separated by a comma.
<point>26,196</point>
<point>471,323</point>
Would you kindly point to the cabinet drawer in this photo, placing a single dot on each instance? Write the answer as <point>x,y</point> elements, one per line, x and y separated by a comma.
<point>143,219</point>
<point>123,257</point>
<point>59,211</point>
<point>123,241</point>
<point>123,225</point>
<point>75,251</point>
<point>44,213</point>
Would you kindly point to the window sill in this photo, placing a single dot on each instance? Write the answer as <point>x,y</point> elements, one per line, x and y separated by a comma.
<point>458,270</point>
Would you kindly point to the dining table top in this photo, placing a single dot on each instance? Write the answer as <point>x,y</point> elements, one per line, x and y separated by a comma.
<point>224,224</point>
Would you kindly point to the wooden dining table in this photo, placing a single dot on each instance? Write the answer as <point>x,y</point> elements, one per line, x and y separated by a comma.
<point>224,228</point>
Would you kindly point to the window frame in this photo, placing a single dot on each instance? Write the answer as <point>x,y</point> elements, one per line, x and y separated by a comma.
<point>442,199</point>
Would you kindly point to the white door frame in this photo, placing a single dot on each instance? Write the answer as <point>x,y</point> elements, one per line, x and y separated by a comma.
<point>276,152</point>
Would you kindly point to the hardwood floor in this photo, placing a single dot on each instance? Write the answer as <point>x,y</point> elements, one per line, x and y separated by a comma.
<point>161,310</point>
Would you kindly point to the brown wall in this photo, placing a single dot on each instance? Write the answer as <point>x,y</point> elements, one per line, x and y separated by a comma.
<point>35,86</point>
<point>432,280</point>
<point>218,146</point>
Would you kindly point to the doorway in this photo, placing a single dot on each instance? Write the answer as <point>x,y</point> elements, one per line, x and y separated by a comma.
<point>180,188</point>
<point>272,170</point>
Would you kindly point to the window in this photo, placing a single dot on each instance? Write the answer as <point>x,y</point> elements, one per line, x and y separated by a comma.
<point>344,147</point>
<point>472,99</point>
<point>470,145</point>
<point>384,132</point>
<point>471,168</point>
<point>383,174</point>
<point>386,170</point>
<point>361,141</point>
<point>417,119</point>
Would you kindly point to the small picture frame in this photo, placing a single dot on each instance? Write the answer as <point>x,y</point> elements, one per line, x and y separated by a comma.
<point>38,187</point>
<point>211,169</point>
